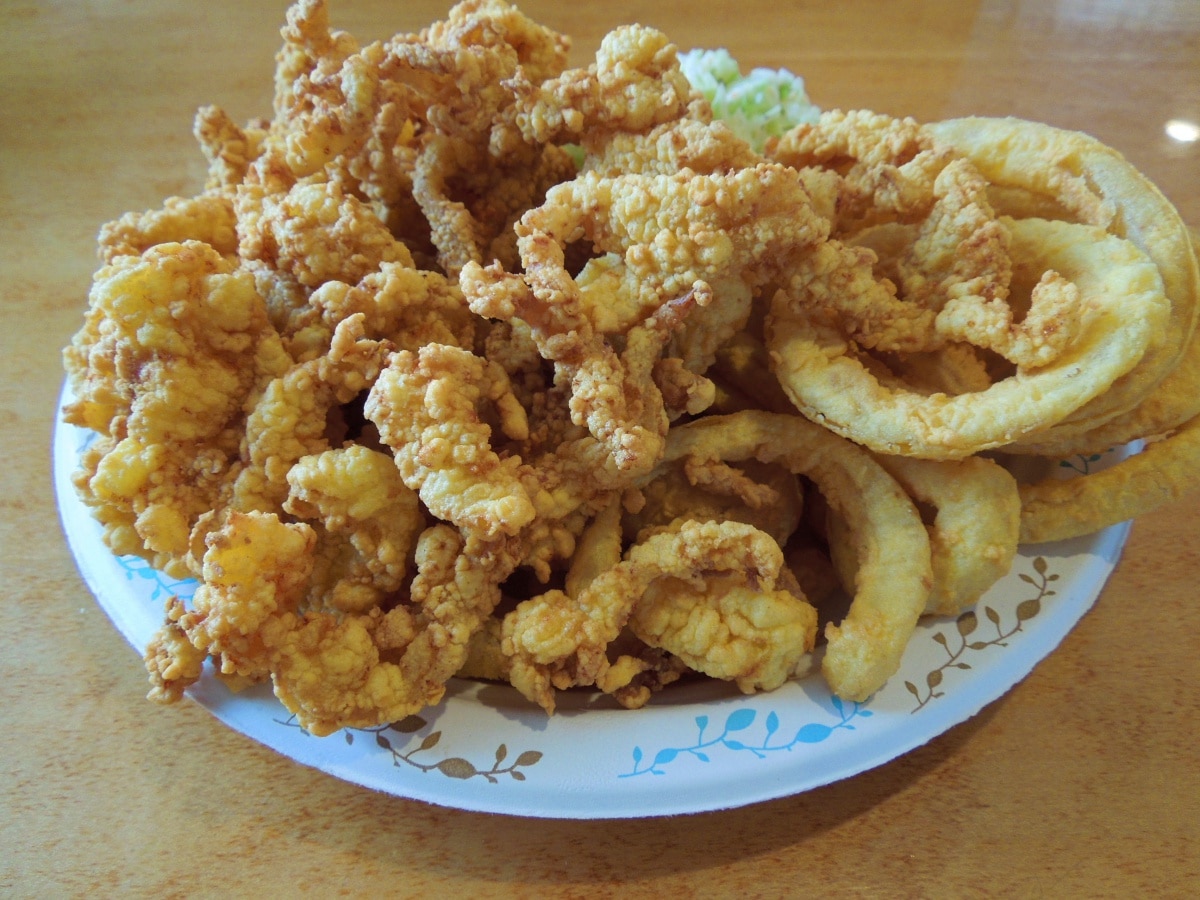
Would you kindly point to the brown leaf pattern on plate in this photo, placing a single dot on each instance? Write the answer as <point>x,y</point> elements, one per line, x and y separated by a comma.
<point>451,767</point>
<point>965,627</point>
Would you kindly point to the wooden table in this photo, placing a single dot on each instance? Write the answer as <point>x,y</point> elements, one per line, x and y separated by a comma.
<point>1083,781</point>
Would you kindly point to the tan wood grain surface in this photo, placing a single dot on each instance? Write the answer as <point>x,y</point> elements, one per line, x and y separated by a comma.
<point>1083,781</point>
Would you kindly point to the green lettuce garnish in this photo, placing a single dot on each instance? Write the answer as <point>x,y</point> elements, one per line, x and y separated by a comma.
<point>761,104</point>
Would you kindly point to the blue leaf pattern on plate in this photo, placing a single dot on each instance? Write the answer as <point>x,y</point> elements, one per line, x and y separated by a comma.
<point>742,720</point>
<point>163,586</point>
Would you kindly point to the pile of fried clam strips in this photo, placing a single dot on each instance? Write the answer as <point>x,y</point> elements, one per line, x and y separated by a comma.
<point>467,362</point>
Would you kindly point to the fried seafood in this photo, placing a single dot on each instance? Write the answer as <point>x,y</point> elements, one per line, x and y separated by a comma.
<point>635,84</point>
<point>291,418</point>
<point>763,495</point>
<point>728,629</point>
<point>369,522</point>
<point>467,362</point>
<point>884,166</point>
<point>175,346</point>
<point>207,218</point>
<point>558,642</point>
<point>332,670</point>
<point>895,575</point>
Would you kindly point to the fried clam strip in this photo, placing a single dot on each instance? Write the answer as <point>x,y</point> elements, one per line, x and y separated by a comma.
<point>884,166</point>
<point>555,641</point>
<point>497,192</point>
<point>422,126</point>
<point>765,496</point>
<point>730,625</point>
<point>228,148</point>
<point>1055,510</point>
<point>176,345</point>
<point>425,405</point>
<point>1122,307</point>
<point>611,394</point>
<point>695,142</point>
<point>895,570</point>
<point>296,237</point>
<point>971,550</point>
<point>635,669</point>
<point>1082,180</point>
<point>673,237</point>
<point>314,233</point>
<point>634,85</point>
<point>461,437</point>
<point>331,95</point>
<point>290,419</point>
<point>473,174</point>
<point>378,159</point>
<point>366,521</point>
<point>668,231</point>
<point>311,50</point>
<point>207,217</point>
<point>409,307</point>
<point>634,113</point>
<point>332,670</point>
<point>688,626</point>
<point>631,677</point>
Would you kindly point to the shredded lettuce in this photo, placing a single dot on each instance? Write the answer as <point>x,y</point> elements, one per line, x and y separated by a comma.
<point>764,103</point>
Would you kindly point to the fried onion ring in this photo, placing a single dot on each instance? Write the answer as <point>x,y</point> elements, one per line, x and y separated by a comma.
<point>1058,509</point>
<point>1124,309</point>
<point>1091,183</point>
<point>971,549</point>
<point>1175,400</point>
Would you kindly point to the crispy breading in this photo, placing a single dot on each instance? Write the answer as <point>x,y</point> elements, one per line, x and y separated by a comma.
<point>175,345</point>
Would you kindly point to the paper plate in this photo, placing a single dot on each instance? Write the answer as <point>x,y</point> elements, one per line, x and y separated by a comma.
<point>694,748</point>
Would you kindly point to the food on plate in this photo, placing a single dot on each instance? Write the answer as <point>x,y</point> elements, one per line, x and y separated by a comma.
<point>1109,289</point>
<point>1053,509</point>
<point>468,362</point>
<point>970,552</point>
<point>1027,162</point>
<point>895,564</point>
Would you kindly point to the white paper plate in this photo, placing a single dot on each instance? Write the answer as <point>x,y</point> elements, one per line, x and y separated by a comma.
<point>694,748</point>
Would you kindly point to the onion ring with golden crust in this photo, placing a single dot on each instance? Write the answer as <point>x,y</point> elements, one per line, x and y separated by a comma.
<point>1175,400</point>
<point>971,551</point>
<point>974,533</point>
<point>1055,510</point>
<point>895,575</point>
<point>1125,309</point>
<point>1092,183</point>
